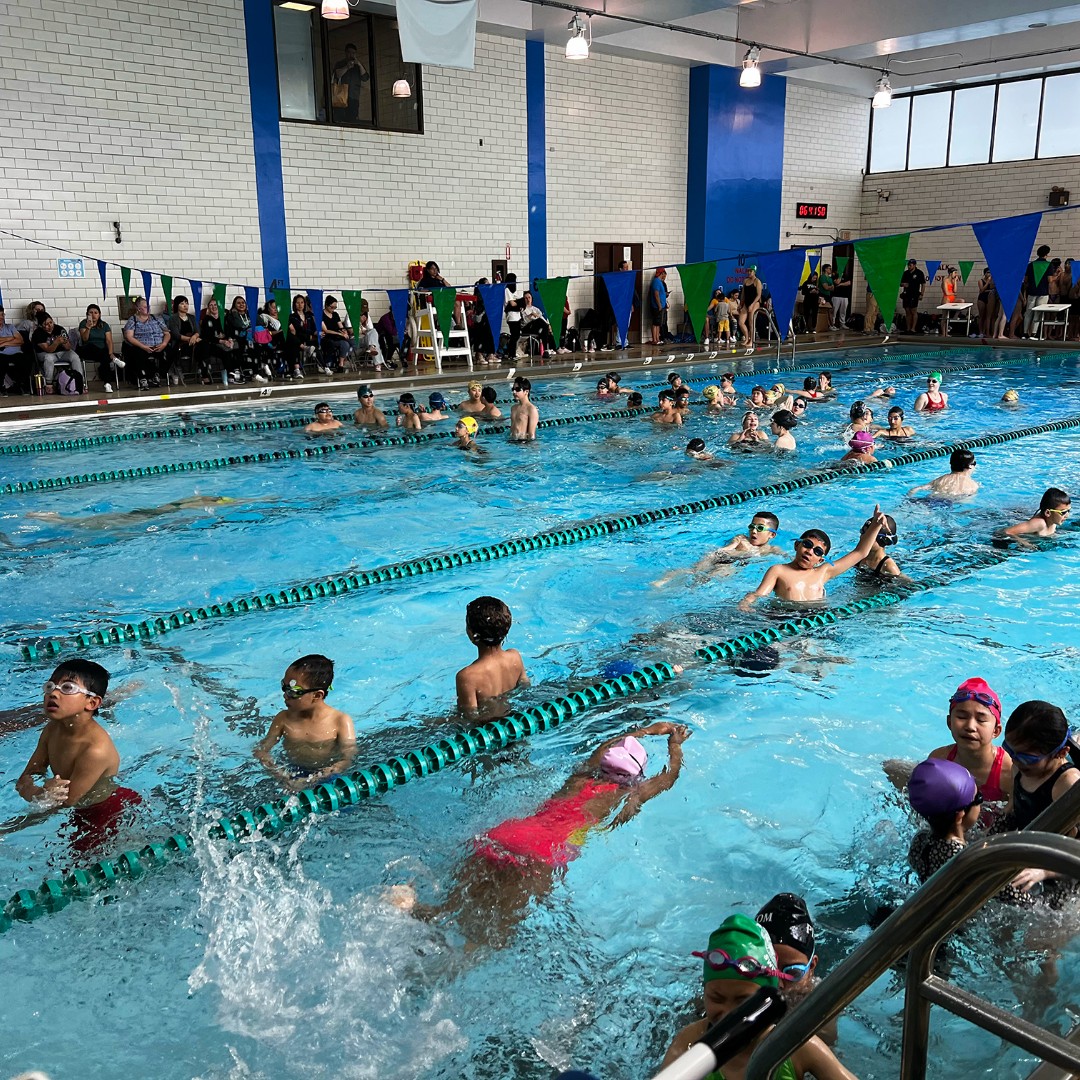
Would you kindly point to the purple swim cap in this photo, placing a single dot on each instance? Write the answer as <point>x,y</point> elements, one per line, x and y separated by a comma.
<point>862,440</point>
<point>625,760</point>
<point>938,786</point>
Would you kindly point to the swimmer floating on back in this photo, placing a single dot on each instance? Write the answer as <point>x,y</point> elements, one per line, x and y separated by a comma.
<point>755,542</point>
<point>124,517</point>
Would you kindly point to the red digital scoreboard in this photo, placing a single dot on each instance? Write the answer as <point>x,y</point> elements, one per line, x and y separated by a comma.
<point>817,211</point>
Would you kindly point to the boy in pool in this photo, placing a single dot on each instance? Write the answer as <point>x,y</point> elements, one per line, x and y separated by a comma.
<point>805,577</point>
<point>755,542</point>
<point>695,448</point>
<point>473,404</point>
<point>956,484</point>
<point>367,415</point>
<point>634,400</point>
<point>319,740</point>
<point>464,431</point>
<point>524,415</point>
<point>324,420</point>
<point>495,671</point>
<point>491,410</point>
<point>667,413</point>
<point>1054,508</point>
<point>408,418</point>
<point>436,408</point>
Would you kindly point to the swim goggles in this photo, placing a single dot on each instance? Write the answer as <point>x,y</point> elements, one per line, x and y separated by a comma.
<point>1027,759</point>
<point>67,688</point>
<point>810,546</point>
<point>975,695</point>
<point>1062,511</point>
<point>796,972</point>
<point>295,690</point>
<point>719,960</point>
<point>754,527</point>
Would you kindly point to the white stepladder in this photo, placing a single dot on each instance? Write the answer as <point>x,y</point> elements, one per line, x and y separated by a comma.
<point>429,340</point>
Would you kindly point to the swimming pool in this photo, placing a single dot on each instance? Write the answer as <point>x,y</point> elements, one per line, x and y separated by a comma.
<point>281,956</point>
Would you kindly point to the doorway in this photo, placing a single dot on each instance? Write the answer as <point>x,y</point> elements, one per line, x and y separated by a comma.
<point>608,257</point>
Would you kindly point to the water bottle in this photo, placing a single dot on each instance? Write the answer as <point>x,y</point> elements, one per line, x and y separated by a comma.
<point>39,385</point>
<point>225,376</point>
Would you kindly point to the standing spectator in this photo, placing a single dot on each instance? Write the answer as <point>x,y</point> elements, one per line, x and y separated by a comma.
<point>348,78</point>
<point>912,284</point>
<point>949,284</point>
<point>749,305</point>
<point>658,305</point>
<point>984,301</point>
<point>512,306</point>
<point>145,340</point>
<point>53,347</point>
<point>826,284</point>
<point>15,363</point>
<point>335,338</point>
<point>841,300</point>
<point>217,344</point>
<point>810,302</point>
<point>1035,291</point>
<point>96,344</point>
<point>872,312</point>
<point>184,343</point>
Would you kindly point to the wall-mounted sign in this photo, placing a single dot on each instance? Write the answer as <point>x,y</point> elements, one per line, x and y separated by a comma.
<point>68,268</point>
<point>587,260</point>
<point>817,210</point>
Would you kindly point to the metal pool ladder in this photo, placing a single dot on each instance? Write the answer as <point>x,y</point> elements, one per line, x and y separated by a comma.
<point>918,928</point>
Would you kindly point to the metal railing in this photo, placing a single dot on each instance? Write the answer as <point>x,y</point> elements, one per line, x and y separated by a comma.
<point>918,928</point>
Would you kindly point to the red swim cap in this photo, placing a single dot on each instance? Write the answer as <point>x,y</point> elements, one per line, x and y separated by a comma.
<point>978,690</point>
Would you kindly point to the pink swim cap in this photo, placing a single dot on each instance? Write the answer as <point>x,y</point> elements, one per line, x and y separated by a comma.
<point>625,760</point>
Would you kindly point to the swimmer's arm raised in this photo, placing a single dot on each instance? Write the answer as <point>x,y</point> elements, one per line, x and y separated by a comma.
<point>677,734</point>
<point>866,541</point>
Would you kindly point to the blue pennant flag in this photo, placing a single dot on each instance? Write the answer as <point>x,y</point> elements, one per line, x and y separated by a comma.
<point>399,307</point>
<point>316,298</point>
<point>493,298</point>
<point>781,272</point>
<point>196,298</point>
<point>147,282</point>
<point>101,264</point>
<point>620,290</point>
<point>815,261</point>
<point>251,295</point>
<point>932,268</point>
<point>1007,244</point>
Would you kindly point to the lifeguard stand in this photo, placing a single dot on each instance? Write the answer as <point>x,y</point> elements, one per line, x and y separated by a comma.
<point>429,340</point>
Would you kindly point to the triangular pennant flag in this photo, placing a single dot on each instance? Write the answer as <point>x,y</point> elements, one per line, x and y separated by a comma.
<point>283,299</point>
<point>932,266</point>
<point>1039,268</point>
<point>196,297</point>
<point>493,297</point>
<point>166,288</point>
<point>219,296</point>
<point>399,308</point>
<point>841,266</point>
<point>620,285</point>
<point>965,268</point>
<point>697,288</point>
<point>353,302</point>
<point>814,260</point>
<point>101,265</point>
<point>1007,243</point>
<point>883,260</point>
<point>444,300</point>
<point>147,282</point>
<point>125,277</point>
<point>552,292</point>
<point>251,295</point>
<point>315,296</point>
<point>780,271</point>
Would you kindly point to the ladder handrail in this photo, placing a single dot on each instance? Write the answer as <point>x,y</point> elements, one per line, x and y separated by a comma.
<point>946,900</point>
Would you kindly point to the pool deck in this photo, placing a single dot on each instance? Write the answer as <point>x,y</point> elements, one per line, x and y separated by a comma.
<point>30,410</point>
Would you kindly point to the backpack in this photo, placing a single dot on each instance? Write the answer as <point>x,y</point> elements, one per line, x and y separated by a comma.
<point>69,383</point>
<point>262,336</point>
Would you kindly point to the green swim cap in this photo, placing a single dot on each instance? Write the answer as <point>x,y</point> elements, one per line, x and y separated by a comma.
<point>935,375</point>
<point>739,936</point>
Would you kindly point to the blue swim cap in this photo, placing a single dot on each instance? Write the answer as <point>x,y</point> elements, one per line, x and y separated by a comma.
<point>614,668</point>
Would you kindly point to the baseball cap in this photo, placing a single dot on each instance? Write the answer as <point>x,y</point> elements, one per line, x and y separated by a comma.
<point>788,922</point>
<point>938,786</point>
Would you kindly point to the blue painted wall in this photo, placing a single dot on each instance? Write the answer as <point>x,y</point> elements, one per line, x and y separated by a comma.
<point>266,137</point>
<point>735,164</point>
<point>536,149</point>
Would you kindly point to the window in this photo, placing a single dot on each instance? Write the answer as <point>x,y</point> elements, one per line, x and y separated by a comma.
<point>929,130</point>
<point>1060,132</point>
<point>1017,122</point>
<point>889,135</point>
<point>972,122</point>
<point>343,72</point>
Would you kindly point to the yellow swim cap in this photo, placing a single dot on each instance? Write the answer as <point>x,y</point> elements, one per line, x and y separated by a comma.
<point>710,392</point>
<point>779,389</point>
<point>470,425</point>
<point>1011,395</point>
<point>475,384</point>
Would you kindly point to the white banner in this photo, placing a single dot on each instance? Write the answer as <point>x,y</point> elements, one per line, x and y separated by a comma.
<point>441,32</point>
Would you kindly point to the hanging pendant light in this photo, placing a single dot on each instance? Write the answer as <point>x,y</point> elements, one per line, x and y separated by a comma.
<point>750,76</point>
<point>402,89</point>
<point>335,9</point>
<point>577,47</point>
<point>883,95</point>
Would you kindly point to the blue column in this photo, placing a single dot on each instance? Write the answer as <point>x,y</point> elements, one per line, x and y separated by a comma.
<point>536,149</point>
<point>735,164</point>
<point>266,138</point>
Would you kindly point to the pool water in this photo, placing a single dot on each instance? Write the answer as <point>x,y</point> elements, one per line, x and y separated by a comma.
<point>281,956</point>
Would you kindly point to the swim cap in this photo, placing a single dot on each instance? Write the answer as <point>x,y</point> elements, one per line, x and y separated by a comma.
<point>436,400</point>
<point>938,786</point>
<point>975,690</point>
<point>696,445</point>
<point>625,760</point>
<point>406,399</point>
<point>475,383</point>
<point>710,392</point>
<point>861,440</point>
<point>469,424</point>
<point>1011,395</point>
<point>672,376</point>
<point>788,922</point>
<point>739,936</point>
<point>935,375</point>
<point>779,388</point>
<point>363,391</point>
<point>614,668</point>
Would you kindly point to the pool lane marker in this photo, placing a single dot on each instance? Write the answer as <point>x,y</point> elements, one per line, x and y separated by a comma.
<point>360,785</point>
<point>119,634</point>
<point>319,450</point>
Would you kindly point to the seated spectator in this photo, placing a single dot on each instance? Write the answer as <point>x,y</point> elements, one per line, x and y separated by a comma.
<point>27,326</point>
<point>300,337</point>
<point>535,323</point>
<point>267,341</point>
<point>388,337</point>
<point>270,318</point>
<point>15,362</point>
<point>218,346</point>
<point>145,340</point>
<point>184,343</point>
<point>96,345</point>
<point>238,330</point>
<point>370,349</point>
<point>336,346</point>
<point>54,350</point>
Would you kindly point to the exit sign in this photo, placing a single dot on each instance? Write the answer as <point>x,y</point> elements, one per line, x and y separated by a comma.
<point>816,210</point>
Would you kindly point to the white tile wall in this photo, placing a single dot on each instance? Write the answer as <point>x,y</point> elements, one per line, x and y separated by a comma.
<point>132,111</point>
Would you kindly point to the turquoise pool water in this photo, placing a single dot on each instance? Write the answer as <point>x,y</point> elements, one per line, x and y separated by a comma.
<point>281,957</point>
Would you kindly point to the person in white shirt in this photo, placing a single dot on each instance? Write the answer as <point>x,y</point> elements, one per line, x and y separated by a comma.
<point>533,322</point>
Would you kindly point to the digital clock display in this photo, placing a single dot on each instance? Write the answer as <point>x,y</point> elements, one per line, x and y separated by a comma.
<point>818,210</point>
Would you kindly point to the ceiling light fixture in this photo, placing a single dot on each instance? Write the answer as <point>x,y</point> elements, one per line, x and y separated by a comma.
<point>292,6</point>
<point>750,75</point>
<point>577,47</point>
<point>335,9</point>
<point>883,94</point>
<point>402,89</point>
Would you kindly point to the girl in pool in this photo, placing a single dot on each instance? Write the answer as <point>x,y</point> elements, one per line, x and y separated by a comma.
<point>862,419</point>
<point>759,398</point>
<point>897,429</point>
<point>932,399</point>
<point>739,961</point>
<point>517,862</point>
<point>750,436</point>
<point>974,721</point>
<point>717,400</point>
<point>879,565</point>
<point>862,448</point>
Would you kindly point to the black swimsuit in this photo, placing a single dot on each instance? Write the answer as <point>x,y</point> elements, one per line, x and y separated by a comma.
<point>1028,805</point>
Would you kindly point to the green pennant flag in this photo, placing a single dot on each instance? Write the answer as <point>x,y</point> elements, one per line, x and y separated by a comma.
<point>352,300</point>
<point>883,260</point>
<point>1038,267</point>
<point>219,296</point>
<point>697,287</point>
<point>965,268</point>
<point>552,292</point>
<point>444,308</point>
<point>841,265</point>
<point>125,277</point>
<point>283,299</point>
<point>166,288</point>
